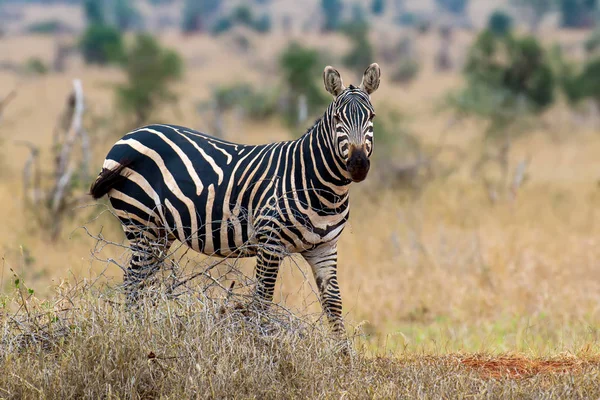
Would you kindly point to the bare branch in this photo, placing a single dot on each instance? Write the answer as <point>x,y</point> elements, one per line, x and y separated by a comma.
<point>6,100</point>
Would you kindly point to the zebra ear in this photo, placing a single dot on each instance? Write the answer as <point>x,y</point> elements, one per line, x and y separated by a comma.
<point>371,78</point>
<point>333,81</point>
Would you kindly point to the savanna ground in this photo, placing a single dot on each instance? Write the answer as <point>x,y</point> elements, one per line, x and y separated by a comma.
<point>446,293</point>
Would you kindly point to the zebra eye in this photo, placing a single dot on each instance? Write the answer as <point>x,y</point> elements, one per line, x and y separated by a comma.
<point>372,116</point>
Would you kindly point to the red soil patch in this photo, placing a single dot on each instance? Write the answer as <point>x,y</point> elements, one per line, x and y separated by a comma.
<point>515,367</point>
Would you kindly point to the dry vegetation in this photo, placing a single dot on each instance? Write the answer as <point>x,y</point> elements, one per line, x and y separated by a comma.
<point>447,294</point>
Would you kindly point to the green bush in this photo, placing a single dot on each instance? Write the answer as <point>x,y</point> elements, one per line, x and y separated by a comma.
<point>406,71</point>
<point>361,52</point>
<point>301,68</point>
<point>45,27</point>
<point>516,68</point>
<point>36,66</point>
<point>257,105</point>
<point>592,43</point>
<point>101,44</point>
<point>150,71</point>
<point>580,82</point>
<point>243,15</point>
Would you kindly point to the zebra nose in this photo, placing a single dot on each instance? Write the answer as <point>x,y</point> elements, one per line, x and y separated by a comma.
<point>358,165</point>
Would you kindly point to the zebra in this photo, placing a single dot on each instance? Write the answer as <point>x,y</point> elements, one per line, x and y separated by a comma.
<point>167,182</point>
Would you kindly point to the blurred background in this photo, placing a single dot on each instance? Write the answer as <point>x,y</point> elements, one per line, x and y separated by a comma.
<point>478,227</point>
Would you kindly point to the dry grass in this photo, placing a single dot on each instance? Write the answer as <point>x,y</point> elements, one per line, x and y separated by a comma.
<point>83,344</point>
<point>448,295</point>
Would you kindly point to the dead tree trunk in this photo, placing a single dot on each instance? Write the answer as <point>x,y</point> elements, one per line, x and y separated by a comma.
<point>51,203</point>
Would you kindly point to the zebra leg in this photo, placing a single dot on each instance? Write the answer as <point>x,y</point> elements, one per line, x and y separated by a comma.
<point>268,259</point>
<point>148,249</point>
<point>323,262</point>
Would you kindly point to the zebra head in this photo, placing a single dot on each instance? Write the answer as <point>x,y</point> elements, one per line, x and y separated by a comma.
<point>352,119</point>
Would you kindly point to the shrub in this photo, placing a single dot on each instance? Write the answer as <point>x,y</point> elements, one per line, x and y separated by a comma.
<point>515,67</point>
<point>361,52</point>
<point>580,82</point>
<point>592,43</point>
<point>300,66</point>
<point>406,71</point>
<point>36,66</point>
<point>243,15</point>
<point>509,81</point>
<point>150,71</point>
<point>45,27</point>
<point>255,104</point>
<point>101,44</point>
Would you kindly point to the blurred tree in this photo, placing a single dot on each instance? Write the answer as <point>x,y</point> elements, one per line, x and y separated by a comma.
<point>300,67</point>
<point>222,25</point>
<point>262,24</point>
<point>535,11</point>
<point>251,103</point>
<point>357,30</point>
<point>500,23</point>
<point>458,7</point>
<point>198,14</point>
<point>378,7</point>
<point>578,13</point>
<point>332,11</point>
<point>126,15</point>
<point>150,71</point>
<point>579,81</point>
<point>509,80</point>
<point>51,26</point>
<point>94,12</point>
<point>592,43</point>
<point>406,71</point>
<point>35,66</point>
<point>101,44</point>
<point>242,14</point>
<point>443,60</point>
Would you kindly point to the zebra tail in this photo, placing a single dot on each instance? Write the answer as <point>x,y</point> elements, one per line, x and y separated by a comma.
<point>107,179</point>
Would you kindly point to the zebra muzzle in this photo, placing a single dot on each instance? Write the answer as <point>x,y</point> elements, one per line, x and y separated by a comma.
<point>358,165</point>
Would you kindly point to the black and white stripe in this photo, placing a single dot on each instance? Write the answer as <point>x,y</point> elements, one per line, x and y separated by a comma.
<point>168,182</point>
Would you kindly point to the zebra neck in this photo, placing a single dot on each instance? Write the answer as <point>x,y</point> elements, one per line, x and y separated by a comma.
<point>323,173</point>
